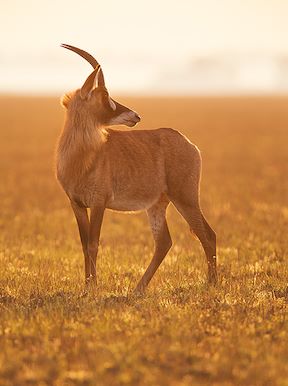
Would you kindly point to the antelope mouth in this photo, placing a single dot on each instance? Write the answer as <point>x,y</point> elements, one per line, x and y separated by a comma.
<point>130,123</point>
<point>128,119</point>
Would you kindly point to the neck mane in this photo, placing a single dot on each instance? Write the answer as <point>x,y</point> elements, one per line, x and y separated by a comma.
<point>78,145</point>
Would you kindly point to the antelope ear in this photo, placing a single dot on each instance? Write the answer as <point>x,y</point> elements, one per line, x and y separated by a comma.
<point>101,80</point>
<point>88,84</point>
<point>65,100</point>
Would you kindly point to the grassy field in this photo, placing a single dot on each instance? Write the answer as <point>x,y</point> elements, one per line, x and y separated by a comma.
<point>181,332</point>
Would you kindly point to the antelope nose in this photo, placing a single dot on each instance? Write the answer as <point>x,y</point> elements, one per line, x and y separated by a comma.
<point>138,118</point>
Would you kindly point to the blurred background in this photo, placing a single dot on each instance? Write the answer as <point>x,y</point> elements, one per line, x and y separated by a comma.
<point>148,47</point>
<point>217,70</point>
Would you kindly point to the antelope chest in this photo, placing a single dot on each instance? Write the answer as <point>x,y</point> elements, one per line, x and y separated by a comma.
<point>85,192</point>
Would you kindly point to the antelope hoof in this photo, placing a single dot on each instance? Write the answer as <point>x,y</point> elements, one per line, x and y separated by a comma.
<point>212,278</point>
<point>139,290</point>
<point>90,281</point>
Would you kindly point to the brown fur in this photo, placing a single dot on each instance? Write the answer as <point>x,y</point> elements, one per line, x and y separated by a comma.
<point>128,171</point>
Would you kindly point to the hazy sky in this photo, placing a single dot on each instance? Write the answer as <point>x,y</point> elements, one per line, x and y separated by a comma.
<point>145,46</point>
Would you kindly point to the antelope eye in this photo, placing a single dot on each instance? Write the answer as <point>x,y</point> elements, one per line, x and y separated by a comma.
<point>105,98</point>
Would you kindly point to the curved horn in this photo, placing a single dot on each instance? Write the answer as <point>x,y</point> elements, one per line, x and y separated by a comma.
<point>90,59</point>
<point>89,83</point>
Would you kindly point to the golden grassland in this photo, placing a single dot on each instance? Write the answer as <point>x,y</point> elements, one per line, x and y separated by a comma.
<point>181,332</point>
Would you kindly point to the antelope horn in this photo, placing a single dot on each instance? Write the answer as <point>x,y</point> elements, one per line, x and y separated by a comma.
<point>90,59</point>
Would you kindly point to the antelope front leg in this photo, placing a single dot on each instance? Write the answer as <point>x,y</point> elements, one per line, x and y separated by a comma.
<point>81,216</point>
<point>96,219</point>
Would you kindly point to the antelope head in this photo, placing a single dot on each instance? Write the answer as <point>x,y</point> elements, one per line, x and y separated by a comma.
<point>94,97</point>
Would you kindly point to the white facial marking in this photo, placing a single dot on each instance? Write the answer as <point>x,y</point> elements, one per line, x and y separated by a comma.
<point>112,104</point>
<point>128,118</point>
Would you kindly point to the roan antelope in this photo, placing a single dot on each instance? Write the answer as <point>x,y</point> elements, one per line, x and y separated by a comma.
<point>131,170</point>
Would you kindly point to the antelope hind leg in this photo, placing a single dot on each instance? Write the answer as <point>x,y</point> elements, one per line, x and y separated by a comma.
<point>162,239</point>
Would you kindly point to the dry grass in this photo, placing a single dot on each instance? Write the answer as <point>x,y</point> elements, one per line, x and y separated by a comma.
<point>180,332</point>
